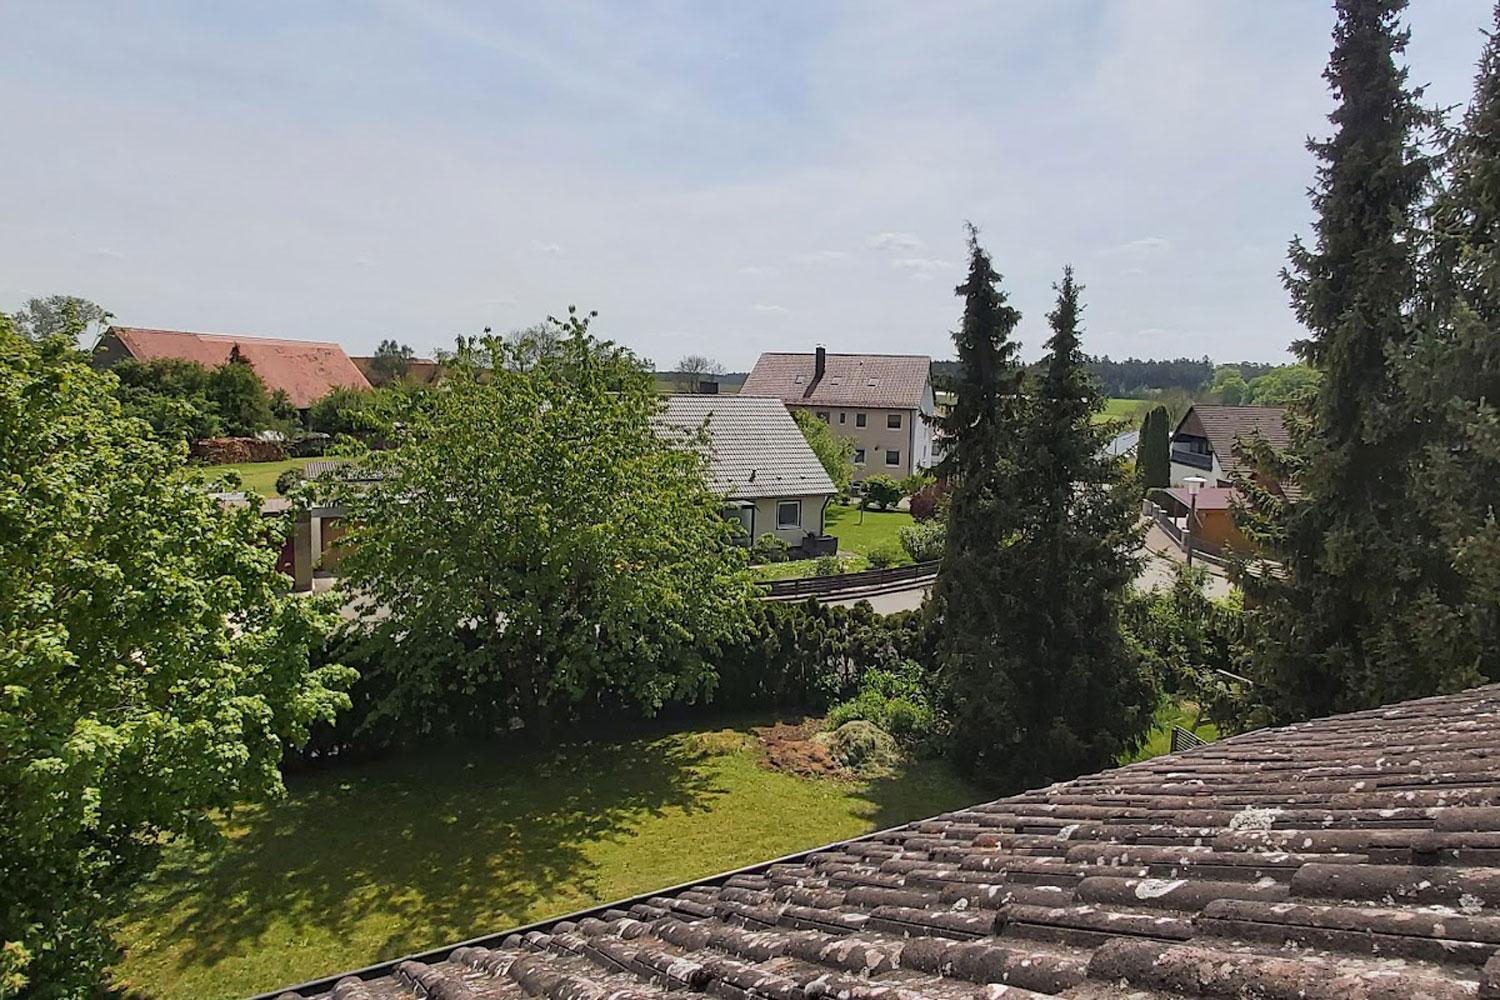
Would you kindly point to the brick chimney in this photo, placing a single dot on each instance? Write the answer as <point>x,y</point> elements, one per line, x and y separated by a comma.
<point>820,362</point>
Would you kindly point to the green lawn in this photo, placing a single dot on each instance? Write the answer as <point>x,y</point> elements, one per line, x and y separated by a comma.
<point>366,862</point>
<point>1168,714</point>
<point>1129,410</point>
<point>878,528</point>
<point>258,477</point>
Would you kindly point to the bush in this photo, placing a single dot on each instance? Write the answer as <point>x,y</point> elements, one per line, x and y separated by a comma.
<point>882,492</point>
<point>896,700</point>
<point>769,549</point>
<point>914,483</point>
<point>828,566</point>
<point>288,480</point>
<point>925,541</point>
<point>883,555</point>
<point>927,503</point>
<point>862,744</point>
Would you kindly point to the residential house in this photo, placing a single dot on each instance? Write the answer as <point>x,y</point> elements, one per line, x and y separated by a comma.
<point>1203,443</point>
<point>422,371</point>
<point>1210,518</point>
<point>882,401</point>
<point>305,370</point>
<point>760,462</point>
<point>1351,856</point>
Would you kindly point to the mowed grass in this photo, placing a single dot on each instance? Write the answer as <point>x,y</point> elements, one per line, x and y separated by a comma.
<point>367,862</point>
<point>1131,411</point>
<point>879,527</point>
<point>255,477</point>
<point>1168,714</point>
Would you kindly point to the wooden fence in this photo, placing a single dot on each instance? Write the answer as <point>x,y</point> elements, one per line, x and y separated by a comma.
<point>847,585</point>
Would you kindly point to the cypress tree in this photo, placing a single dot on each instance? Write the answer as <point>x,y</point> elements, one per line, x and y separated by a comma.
<point>1452,383</point>
<point>1040,540</point>
<point>1153,458</point>
<point>1340,622</point>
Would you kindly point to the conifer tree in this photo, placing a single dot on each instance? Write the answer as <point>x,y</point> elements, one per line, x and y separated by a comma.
<point>1040,533</point>
<point>1452,384</point>
<point>1340,621</point>
<point>1153,455</point>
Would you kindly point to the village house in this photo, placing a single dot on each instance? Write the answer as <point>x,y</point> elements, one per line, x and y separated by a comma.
<point>1203,443</point>
<point>883,402</point>
<point>305,370</point>
<point>760,462</point>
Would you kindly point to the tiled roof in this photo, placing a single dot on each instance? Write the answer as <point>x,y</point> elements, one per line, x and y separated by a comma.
<point>1353,857</point>
<point>892,381</point>
<point>1209,497</point>
<point>1222,424</point>
<point>305,369</point>
<point>423,371</point>
<point>757,449</point>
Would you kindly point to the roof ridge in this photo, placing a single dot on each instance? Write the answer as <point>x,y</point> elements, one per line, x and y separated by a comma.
<point>225,336</point>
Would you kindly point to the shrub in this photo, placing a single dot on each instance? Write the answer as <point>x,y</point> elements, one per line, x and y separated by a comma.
<point>288,480</point>
<point>896,700</point>
<point>924,541</point>
<point>882,492</point>
<point>883,555</point>
<point>828,566</point>
<point>769,549</point>
<point>927,503</point>
<point>862,744</point>
<point>914,483</point>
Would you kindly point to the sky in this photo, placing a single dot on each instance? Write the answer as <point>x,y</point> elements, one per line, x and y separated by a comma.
<point>713,177</point>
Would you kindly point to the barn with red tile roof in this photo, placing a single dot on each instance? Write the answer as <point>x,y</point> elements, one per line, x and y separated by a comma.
<point>305,370</point>
<point>1353,857</point>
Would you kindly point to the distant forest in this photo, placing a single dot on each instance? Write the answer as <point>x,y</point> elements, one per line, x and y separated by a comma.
<point>1135,378</point>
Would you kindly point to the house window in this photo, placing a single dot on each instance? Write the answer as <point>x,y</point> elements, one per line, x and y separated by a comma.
<point>893,421</point>
<point>843,417</point>
<point>789,514</point>
<point>892,456</point>
<point>823,416</point>
<point>859,456</point>
<point>859,420</point>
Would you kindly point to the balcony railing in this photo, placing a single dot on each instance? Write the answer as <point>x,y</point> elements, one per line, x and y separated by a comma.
<point>1195,459</point>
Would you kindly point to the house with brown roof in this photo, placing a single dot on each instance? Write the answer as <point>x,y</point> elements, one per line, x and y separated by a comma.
<point>759,462</point>
<point>884,402</point>
<point>1353,857</point>
<point>1203,442</point>
<point>305,370</point>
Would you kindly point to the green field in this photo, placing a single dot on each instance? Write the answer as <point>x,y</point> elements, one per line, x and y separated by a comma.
<point>1129,410</point>
<point>366,862</point>
<point>859,536</point>
<point>256,477</point>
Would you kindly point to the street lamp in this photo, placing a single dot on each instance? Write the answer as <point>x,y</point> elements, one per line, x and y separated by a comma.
<point>1193,484</point>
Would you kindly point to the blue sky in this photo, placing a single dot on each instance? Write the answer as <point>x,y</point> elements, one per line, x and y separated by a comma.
<point>713,177</point>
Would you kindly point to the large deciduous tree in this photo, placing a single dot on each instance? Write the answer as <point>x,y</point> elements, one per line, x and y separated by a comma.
<point>152,664</point>
<point>1341,622</point>
<point>1041,682</point>
<point>536,541</point>
<point>834,451</point>
<point>67,316</point>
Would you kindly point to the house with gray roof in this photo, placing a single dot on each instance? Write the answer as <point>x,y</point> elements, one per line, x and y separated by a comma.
<point>884,402</point>
<point>1203,443</point>
<point>758,460</point>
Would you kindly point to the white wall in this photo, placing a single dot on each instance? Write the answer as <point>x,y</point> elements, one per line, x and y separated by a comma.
<point>812,517</point>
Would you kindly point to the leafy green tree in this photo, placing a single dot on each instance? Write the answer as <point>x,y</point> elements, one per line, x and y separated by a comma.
<point>1452,383</point>
<point>153,666</point>
<point>1051,690</point>
<point>1229,386</point>
<point>881,492</point>
<point>241,399</point>
<point>357,413</point>
<point>391,361</point>
<point>1153,452</point>
<point>836,453</point>
<point>1343,623</point>
<point>170,394</point>
<point>1286,385</point>
<point>65,316</point>
<point>536,543</point>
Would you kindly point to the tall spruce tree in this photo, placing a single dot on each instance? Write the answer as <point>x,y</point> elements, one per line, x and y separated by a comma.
<point>1340,621</point>
<point>1153,454</point>
<point>1452,384</point>
<point>1040,540</point>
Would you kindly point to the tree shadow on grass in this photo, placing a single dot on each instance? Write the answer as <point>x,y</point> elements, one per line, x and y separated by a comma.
<point>426,849</point>
<point>918,789</point>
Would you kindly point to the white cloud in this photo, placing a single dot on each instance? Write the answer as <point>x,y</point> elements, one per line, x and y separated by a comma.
<point>552,249</point>
<point>819,257</point>
<point>771,310</point>
<point>921,268</point>
<point>1132,272</point>
<point>894,241</point>
<point>363,262</point>
<point>108,253</point>
<point>1143,247</point>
